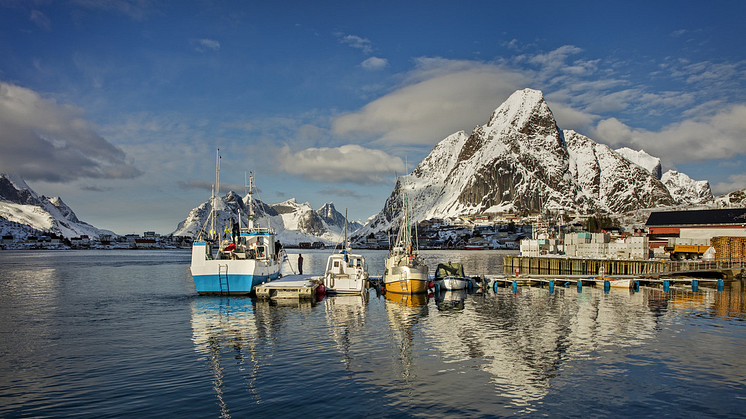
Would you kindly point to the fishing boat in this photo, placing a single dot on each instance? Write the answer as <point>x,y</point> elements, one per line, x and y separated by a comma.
<point>236,262</point>
<point>405,273</point>
<point>345,272</point>
<point>450,276</point>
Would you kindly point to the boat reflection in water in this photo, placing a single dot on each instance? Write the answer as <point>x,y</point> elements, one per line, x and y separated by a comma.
<point>404,312</point>
<point>345,317</point>
<point>223,325</point>
<point>450,300</point>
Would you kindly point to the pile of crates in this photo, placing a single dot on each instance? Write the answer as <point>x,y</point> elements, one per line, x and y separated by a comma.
<point>727,247</point>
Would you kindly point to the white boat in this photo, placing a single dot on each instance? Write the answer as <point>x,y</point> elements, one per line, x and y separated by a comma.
<point>346,272</point>
<point>233,264</point>
<point>614,283</point>
<point>602,279</point>
<point>405,273</point>
<point>450,276</point>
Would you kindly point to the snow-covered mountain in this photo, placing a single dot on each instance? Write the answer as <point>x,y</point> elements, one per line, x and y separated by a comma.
<point>23,213</point>
<point>641,158</point>
<point>521,161</point>
<point>293,222</point>
<point>685,190</point>
<point>732,199</point>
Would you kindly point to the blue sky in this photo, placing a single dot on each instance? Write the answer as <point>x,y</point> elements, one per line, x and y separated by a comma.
<point>118,106</point>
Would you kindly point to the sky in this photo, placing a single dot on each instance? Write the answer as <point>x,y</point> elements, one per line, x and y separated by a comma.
<point>119,106</point>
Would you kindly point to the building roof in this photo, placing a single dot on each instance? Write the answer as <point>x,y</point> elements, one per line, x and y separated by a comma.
<point>729,216</point>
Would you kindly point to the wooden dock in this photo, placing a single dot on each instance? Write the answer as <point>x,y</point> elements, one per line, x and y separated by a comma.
<point>498,281</point>
<point>724,269</point>
<point>289,287</point>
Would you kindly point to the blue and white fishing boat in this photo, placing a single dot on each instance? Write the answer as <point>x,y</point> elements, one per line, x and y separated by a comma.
<point>235,263</point>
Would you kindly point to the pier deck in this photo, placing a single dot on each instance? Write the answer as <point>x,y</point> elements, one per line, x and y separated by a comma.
<point>496,281</point>
<point>291,287</point>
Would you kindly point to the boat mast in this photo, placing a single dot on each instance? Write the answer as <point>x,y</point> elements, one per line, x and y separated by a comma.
<point>251,201</point>
<point>346,245</point>
<point>216,194</point>
<point>213,200</point>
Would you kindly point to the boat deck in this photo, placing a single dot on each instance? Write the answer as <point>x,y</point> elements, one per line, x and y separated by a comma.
<point>291,286</point>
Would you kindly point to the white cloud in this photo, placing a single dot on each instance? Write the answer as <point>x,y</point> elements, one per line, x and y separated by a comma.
<point>735,183</point>
<point>439,98</point>
<point>353,41</point>
<point>348,163</point>
<point>41,20</point>
<point>203,45</point>
<point>374,63</point>
<point>44,140</point>
<point>136,9</point>
<point>692,140</point>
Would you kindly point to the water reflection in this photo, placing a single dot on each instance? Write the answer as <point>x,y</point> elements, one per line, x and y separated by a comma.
<point>404,312</point>
<point>450,300</point>
<point>223,325</point>
<point>345,316</point>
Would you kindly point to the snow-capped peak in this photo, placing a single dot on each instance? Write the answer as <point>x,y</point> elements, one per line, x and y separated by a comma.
<point>685,190</point>
<point>643,159</point>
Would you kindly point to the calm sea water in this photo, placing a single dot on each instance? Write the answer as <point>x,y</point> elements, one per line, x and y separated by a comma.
<point>123,334</point>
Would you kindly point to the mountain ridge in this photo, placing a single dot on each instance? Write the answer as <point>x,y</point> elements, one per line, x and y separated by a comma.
<point>521,161</point>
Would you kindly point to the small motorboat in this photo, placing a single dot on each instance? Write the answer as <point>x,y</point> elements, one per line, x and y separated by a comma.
<point>450,276</point>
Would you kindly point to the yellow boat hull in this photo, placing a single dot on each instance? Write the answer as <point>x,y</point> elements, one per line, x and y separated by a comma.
<point>407,286</point>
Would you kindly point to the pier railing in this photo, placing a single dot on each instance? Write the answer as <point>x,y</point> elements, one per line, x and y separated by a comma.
<point>708,265</point>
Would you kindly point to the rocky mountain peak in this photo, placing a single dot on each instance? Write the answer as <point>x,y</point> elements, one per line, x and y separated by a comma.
<point>521,161</point>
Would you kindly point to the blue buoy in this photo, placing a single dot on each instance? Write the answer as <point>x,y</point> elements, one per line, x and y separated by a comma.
<point>720,285</point>
<point>551,287</point>
<point>637,286</point>
<point>494,287</point>
<point>665,285</point>
<point>607,285</point>
<point>515,287</point>
<point>580,285</point>
<point>695,285</point>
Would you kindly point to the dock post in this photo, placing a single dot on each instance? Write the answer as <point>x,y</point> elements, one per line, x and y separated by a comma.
<point>580,285</point>
<point>515,287</point>
<point>666,284</point>
<point>720,285</point>
<point>551,286</point>
<point>695,285</point>
<point>607,285</point>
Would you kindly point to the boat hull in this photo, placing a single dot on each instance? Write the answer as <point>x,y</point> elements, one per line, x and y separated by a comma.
<point>616,283</point>
<point>452,283</point>
<point>231,277</point>
<point>345,275</point>
<point>403,278</point>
